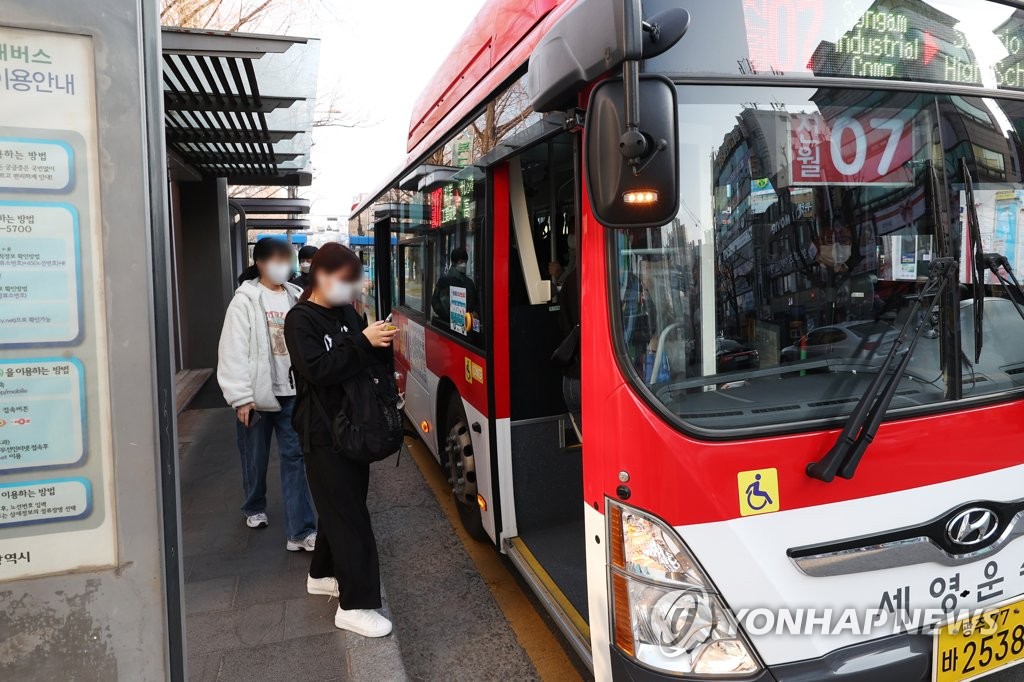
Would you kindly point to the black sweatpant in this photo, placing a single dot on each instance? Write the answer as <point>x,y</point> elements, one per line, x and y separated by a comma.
<point>345,546</point>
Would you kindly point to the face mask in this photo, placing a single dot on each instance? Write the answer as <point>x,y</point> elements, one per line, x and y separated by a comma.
<point>340,293</point>
<point>278,273</point>
<point>304,267</point>
<point>842,252</point>
<point>461,267</point>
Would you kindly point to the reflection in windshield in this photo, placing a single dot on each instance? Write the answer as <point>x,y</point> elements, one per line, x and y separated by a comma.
<point>961,42</point>
<point>807,230</point>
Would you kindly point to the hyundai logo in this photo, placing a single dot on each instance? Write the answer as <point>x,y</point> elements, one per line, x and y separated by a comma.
<point>972,527</point>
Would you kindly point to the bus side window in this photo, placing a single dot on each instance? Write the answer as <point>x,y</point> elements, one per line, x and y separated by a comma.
<point>412,261</point>
<point>457,304</point>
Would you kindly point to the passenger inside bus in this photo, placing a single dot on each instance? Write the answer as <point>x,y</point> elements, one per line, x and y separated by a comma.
<point>455,302</point>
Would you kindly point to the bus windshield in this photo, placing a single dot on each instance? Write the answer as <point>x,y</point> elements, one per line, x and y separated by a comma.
<point>808,222</point>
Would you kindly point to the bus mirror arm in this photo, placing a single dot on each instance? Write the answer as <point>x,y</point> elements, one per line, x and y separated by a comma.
<point>633,143</point>
<point>660,33</point>
<point>636,145</point>
<point>844,456</point>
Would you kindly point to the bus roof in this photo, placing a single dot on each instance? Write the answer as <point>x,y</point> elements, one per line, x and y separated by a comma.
<point>497,42</point>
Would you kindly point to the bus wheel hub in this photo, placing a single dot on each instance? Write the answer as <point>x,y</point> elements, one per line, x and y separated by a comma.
<point>462,468</point>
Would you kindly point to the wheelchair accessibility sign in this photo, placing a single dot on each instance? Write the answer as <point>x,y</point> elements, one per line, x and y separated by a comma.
<point>759,491</point>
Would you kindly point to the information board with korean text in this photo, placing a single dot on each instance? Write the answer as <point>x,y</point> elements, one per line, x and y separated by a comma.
<point>56,497</point>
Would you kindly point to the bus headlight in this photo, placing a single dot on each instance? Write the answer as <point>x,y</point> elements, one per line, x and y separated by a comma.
<point>665,611</point>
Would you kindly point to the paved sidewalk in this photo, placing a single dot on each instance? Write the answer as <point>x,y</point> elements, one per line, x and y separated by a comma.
<point>450,626</point>
<point>248,615</point>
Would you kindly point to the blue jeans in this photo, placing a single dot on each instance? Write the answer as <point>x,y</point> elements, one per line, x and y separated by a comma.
<point>254,447</point>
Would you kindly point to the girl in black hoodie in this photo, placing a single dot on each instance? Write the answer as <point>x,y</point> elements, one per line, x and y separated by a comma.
<point>330,344</point>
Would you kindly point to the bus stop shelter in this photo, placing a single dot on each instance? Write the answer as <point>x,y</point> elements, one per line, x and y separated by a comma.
<point>238,110</point>
<point>138,139</point>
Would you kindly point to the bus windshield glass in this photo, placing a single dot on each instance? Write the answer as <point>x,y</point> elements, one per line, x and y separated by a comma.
<point>809,219</point>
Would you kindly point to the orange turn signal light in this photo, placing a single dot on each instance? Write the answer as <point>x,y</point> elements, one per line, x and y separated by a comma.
<point>481,502</point>
<point>425,426</point>
<point>642,197</point>
<point>622,618</point>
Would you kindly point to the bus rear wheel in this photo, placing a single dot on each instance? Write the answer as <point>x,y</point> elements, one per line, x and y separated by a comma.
<point>459,456</point>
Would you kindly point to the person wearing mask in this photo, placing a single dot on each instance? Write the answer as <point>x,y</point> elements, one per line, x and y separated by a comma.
<point>253,370</point>
<point>306,254</point>
<point>457,277</point>
<point>330,345</point>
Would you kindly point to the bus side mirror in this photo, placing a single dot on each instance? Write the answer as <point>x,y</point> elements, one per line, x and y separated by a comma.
<point>633,192</point>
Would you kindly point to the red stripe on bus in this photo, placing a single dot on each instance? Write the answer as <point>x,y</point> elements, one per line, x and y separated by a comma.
<point>501,236</point>
<point>466,369</point>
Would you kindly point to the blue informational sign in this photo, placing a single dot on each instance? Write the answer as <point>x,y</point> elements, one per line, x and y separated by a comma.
<point>457,310</point>
<point>36,165</point>
<point>1004,237</point>
<point>42,410</point>
<point>40,291</point>
<point>55,436</point>
<point>58,499</point>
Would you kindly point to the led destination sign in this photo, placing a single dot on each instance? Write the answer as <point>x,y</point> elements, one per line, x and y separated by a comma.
<point>888,45</point>
<point>888,39</point>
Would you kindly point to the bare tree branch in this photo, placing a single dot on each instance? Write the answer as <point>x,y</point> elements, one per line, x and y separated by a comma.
<point>330,123</point>
<point>213,14</point>
<point>333,112</point>
<point>197,9</point>
<point>256,191</point>
<point>234,15</point>
<point>254,14</point>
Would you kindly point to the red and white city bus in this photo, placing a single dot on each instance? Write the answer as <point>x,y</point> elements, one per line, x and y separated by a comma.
<point>773,255</point>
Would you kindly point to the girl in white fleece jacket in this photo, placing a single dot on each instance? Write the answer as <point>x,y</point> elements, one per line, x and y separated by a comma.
<point>254,373</point>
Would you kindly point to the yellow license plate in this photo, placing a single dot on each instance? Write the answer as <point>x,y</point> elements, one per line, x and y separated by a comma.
<point>981,644</point>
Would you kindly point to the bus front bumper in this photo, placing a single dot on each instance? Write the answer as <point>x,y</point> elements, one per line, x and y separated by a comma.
<point>902,658</point>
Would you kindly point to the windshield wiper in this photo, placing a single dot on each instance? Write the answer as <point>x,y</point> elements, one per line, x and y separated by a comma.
<point>997,263</point>
<point>977,260</point>
<point>862,425</point>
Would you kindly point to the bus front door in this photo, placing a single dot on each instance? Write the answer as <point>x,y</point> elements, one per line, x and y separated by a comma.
<point>546,452</point>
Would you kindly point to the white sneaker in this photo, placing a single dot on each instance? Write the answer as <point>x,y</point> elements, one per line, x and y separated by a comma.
<point>256,520</point>
<point>365,622</point>
<point>325,586</point>
<point>306,544</point>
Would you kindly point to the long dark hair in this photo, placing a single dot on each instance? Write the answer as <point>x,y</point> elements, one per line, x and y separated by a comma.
<point>330,258</point>
<point>265,249</point>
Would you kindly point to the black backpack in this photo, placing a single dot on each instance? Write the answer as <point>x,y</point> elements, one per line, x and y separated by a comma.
<point>369,426</point>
